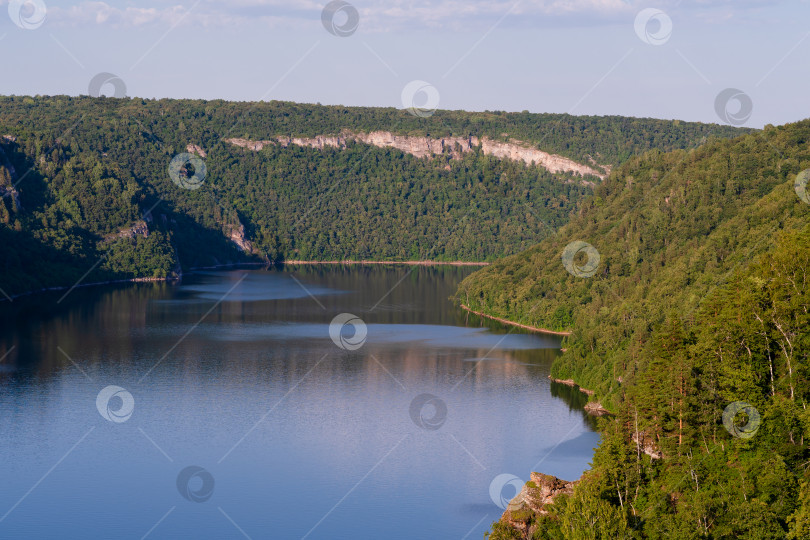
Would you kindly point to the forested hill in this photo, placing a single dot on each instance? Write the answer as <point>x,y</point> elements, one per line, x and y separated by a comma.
<point>85,184</point>
<point>604,139</point>
<point>689,302</point>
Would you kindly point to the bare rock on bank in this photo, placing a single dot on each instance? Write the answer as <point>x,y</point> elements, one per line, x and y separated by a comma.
<point>539,492</point>
<point>594,408</point>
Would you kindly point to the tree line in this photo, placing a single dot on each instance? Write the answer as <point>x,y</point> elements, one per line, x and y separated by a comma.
<point>693,330</point>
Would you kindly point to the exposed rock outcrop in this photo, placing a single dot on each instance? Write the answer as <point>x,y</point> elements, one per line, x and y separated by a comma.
<point>139,228</point>
<point>571,383</point>
<point>237,236</point>
<point>194,149</point>
<point>595,408</point>
<point>9,190</point>
<point>646,445</point>
<point>427,146</point>
<point>533,499</point>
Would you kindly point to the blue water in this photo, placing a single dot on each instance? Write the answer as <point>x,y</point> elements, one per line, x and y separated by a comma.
<point>235,373</point>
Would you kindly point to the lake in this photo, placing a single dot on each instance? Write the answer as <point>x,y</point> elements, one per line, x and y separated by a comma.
<point>321,402</point>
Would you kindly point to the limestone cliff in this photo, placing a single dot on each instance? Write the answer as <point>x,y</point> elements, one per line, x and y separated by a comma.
<point>427,146</point>
<point>237,236</point>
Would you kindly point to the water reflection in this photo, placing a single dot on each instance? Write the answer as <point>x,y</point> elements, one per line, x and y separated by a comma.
<point>253,389</point>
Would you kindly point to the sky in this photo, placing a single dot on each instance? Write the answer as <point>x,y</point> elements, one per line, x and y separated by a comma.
<point>740,62</point>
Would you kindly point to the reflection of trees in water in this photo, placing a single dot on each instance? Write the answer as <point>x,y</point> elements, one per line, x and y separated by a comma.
<point>33,328</point>
<point>539,366</point>
<point>96,324</point>
<point>575,399</point>
<point>394,294</point>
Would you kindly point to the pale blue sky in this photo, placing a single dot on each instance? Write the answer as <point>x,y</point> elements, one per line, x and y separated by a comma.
<point>578,56</point>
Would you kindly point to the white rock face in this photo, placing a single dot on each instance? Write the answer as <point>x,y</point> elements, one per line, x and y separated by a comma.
<point>237,236</point>
<point>426,146</point>
<point>194,149</point>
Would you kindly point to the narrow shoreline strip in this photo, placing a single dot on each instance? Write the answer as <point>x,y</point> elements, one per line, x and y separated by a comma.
<point>513,323</point>
<point>235,265</point>
<point>407,263</point>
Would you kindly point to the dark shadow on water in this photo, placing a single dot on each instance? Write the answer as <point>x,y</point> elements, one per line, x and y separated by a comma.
<point>328,414</point>
<point>576,401</point>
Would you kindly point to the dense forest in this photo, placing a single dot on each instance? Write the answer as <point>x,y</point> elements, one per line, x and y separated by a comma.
<point>690,317</point>
<point>605,139</point>
<point>85,185</point>
<point>683,276</point>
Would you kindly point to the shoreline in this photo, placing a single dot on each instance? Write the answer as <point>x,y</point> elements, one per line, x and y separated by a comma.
<point>519,325</point>
<point>570,382</point>
<point>11,298</point>
<point>594,408</point>
<point>93,284</point>
<point>405,263</point>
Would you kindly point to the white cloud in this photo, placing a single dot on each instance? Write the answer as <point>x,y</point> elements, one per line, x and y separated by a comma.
<point>376,15</point>
<point>102,13</point>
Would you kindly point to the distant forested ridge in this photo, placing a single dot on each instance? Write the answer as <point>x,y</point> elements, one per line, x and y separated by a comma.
<point>698,309</point>
<point>86,193</point>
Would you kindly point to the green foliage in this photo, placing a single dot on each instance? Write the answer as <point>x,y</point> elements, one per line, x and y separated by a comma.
<point>670,228</point>
<point>693,311</point>
<point>77,173</point>
<point>586,518</point>
<point>606,139</point>
<point>149,257</point>
<point>503,531</point>
<point>799,521</point>
<point>388,205</point>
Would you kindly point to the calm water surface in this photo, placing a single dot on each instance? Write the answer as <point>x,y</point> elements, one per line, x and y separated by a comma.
<point>235,373</point>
